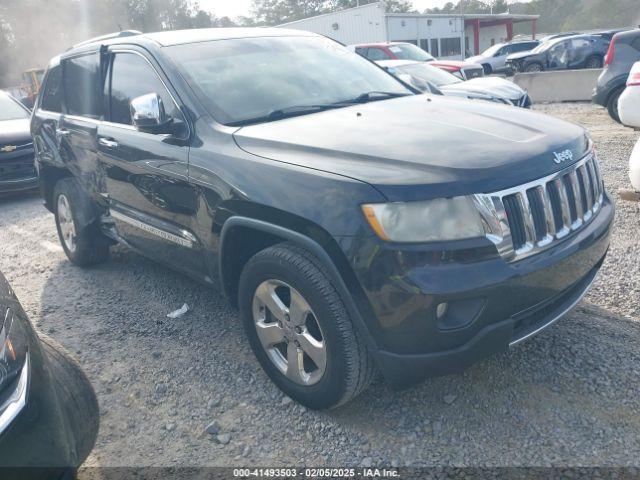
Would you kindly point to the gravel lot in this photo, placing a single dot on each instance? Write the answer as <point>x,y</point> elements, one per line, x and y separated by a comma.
<point>567,397</point>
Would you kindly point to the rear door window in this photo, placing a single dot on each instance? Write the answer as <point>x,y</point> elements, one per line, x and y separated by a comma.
<point>83,86</point>
<point>52,91</point>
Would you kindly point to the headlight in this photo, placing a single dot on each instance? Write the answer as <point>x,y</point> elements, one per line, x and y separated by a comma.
<point>427,221</point>
<point>14,368</point>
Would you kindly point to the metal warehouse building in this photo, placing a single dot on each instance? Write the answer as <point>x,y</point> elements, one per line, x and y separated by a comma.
<point>447,36</point>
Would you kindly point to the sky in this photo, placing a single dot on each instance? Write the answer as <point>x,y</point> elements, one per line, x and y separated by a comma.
<point>236,8</point>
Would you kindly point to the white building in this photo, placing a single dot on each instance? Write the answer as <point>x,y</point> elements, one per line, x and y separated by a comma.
<point>447,36</point>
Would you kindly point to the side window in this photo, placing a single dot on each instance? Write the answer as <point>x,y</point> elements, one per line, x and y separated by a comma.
<point>131,77</point>
<point>377,54</point>
<point>361,51</point>
<point>636,43</point>
<point>83,86</point>
<point>52,91</point>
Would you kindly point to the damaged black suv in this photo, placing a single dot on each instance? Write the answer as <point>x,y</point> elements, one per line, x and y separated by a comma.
<point>356,224</point>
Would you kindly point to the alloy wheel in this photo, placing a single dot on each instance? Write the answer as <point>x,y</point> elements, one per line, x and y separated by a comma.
<point>65,220</point>
<point>289,332</point>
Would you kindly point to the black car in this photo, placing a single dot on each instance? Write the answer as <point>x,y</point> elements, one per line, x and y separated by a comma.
<point>563,53</point>
<point>356,223</point>
<point>17,169</point>
<point>48,411</point>
<point>623,52</point>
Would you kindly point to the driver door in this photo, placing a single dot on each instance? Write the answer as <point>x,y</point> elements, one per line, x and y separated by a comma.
<point>145,174</point>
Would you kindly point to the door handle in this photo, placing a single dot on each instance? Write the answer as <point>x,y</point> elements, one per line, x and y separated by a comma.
<point>63,132</point>
<point>105,142</point>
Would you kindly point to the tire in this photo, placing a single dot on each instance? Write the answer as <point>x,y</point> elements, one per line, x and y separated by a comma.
<point>75,394</point>
<point>594,62</point>
<point>534,67</point>
<point>76,221</point>
<point>349,367</point>
<point>612,104</point>
<point>488,70</point>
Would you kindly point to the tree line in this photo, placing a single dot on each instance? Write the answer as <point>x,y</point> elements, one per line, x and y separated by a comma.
<point>33,31</point>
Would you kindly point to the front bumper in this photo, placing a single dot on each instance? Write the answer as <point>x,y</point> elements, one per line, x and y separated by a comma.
<point>11,186</point>
<point>492,304</point>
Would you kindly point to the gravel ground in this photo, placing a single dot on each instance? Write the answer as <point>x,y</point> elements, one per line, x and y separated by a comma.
<point>567,397</point>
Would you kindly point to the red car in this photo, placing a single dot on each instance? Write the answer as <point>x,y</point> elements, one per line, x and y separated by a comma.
<point>409,51</point>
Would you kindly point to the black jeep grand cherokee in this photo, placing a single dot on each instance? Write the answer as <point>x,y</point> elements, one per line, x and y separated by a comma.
<point>355,223</point>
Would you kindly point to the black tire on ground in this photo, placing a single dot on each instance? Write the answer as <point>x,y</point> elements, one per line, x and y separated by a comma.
<point>91,246</point>
<point>76,396</point>
<point>594,61</point>
<point>349,366</point>
<point>612,104</point>
<point>534,67</point>
<point>488,70</point>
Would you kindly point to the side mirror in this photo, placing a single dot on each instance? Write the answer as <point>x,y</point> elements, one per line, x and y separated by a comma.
<point>148,114</point>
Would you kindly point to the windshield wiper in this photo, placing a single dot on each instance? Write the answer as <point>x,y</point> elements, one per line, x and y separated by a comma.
<point>280,113</point>
<point>295,110</point>
<point>371,96</point>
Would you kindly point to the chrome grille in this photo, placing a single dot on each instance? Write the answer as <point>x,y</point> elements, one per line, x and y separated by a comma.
<point>536,215</point>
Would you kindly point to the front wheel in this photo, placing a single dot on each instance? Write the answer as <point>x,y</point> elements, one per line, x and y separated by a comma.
<point>300,329</point>
<point>612,104</point>
<point>78,229</point>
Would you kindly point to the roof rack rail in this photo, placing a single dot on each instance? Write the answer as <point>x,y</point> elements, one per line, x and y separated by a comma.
<point>108,36</point>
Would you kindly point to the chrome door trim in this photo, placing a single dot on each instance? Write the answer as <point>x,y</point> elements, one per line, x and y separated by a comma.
<point>186,239</point>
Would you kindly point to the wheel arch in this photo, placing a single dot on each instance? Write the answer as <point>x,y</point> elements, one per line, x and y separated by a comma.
<point>49,176</point>
<point>242,237</point>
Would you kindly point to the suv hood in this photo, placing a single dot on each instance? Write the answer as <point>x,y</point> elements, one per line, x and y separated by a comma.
<point>14,132</point>
<point>492,86</point>
<point>450,64</point>
<point>519,55</point>
<point>421,146</point>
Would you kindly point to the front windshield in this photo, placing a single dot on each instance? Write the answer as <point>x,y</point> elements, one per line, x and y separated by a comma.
<point>11,110</point>
<point>430,74</point>
<point>491,51</point>
<point>241,81</point>
<point>408,51</point>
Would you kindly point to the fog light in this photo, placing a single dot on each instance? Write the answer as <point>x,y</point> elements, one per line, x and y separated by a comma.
<point>458,313</point>
<point>441,310</point>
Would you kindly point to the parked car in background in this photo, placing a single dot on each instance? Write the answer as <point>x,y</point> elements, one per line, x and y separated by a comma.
<point>553,36</point>
<point>425,77</point>
<point>17,168</point>
<point>564,53</point>
<point>48,410</point>
<point>494,59</point>
<point>624,51</point>
<point>409,51</point>
<point>608,34</point>
<point>629,111</point>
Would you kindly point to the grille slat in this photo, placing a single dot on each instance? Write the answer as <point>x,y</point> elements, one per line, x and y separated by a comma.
<point>592,183</point>
<point>583,189</point>
<point>17,168</point>
<point>539,213</point>
<point>516,222</point>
